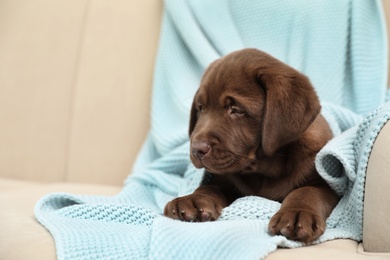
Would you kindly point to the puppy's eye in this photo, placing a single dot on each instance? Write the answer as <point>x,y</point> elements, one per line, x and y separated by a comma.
<point>233,110</point>
<point>200,108</point>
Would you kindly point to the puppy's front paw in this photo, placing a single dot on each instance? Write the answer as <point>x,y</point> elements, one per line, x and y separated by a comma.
<point>297,224</point>
<point>193,208</point>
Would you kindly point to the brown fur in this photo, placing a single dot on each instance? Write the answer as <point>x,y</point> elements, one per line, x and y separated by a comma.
<point>256,129</point>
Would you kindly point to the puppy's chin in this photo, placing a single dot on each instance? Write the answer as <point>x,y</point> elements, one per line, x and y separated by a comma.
<point>234,165</point>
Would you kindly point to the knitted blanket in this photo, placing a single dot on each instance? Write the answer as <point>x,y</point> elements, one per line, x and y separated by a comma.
<point>339,44</point>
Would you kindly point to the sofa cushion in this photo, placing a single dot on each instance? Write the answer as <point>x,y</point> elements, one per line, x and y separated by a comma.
<point>75,78</point>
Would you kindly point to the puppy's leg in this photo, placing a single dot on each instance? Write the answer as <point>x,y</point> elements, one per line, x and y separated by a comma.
<point>303,213</point>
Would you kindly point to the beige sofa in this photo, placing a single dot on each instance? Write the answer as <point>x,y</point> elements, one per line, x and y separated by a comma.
<point>75,78</point>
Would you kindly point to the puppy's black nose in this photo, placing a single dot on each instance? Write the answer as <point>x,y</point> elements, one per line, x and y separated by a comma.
<point>200,149</point>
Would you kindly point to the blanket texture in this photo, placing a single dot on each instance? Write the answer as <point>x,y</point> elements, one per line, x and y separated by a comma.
<point>339,44</point>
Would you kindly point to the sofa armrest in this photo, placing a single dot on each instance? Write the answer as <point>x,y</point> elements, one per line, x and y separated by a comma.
<point>376,228</point>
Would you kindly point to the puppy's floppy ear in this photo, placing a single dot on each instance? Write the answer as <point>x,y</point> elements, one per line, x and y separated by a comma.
<point>291,106</point>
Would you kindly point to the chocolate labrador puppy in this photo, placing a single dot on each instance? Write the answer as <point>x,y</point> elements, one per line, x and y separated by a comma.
<point>256,128</point>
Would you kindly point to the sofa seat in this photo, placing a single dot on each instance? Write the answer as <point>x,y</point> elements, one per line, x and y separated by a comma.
<point>20,229</point>
<point>17,200</point>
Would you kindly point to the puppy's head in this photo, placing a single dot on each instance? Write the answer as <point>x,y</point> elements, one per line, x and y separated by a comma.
<point>249,104</point>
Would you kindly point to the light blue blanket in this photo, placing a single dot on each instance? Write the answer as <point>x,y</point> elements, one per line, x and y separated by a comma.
<point>339,44</point>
